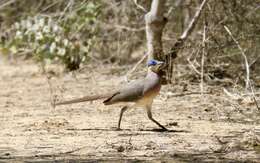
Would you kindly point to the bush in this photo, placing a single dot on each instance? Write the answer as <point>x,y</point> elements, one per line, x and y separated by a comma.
<point>66,38</point>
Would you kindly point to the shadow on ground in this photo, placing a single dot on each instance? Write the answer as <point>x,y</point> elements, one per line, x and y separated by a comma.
<point>175,158</point>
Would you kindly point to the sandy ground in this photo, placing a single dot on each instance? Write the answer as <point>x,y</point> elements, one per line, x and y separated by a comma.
<point>207,128</point>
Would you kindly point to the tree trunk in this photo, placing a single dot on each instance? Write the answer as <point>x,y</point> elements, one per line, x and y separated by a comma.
<point>155,23</point>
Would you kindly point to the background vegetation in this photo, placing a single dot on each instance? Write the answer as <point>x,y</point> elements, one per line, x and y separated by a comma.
<point>75,32</point>
<point>212,116</point>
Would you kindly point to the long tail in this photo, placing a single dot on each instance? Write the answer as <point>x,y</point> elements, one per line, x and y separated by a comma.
<point>84,99</point>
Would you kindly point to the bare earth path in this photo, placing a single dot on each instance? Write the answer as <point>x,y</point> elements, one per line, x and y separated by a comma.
<point>212,128</point>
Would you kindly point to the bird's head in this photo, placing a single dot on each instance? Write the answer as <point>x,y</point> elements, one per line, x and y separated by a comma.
<point>155,65</point>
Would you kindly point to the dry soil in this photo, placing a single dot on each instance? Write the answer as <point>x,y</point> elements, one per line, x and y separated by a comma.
<point>203,128</point>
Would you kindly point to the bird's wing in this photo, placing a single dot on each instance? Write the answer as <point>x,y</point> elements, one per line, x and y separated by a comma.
<point>129,93</point>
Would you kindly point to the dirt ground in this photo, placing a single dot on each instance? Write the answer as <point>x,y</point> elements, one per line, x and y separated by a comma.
<point>208,128</point>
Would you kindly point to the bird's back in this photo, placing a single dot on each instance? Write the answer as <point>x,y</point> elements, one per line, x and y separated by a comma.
<point>131,92</point>
<point>138,90</point>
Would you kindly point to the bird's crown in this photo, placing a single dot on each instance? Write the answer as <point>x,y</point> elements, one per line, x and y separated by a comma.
<point>151,62</point>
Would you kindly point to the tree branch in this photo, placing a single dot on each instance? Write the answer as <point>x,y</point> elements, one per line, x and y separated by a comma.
<point>244,56</point>
<point>139,6</point>
<point>3,5</point>
<point>177,46</point>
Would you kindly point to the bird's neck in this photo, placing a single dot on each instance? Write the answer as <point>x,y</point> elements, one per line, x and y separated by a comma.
<point>152,74</point>
<point>150,71</point>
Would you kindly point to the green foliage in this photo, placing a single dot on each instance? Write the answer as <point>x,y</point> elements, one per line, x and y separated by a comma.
<point>67,38</point>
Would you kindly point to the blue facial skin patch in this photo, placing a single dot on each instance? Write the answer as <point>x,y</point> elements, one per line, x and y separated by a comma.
<point>151,63</point>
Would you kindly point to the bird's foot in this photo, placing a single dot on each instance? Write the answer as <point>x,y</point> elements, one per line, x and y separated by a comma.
<point>160,130</point>
<point>117,128</point>
<point>164,129</point>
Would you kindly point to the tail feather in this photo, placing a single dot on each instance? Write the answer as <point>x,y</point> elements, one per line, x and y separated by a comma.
<point>84,99</point>
<point>107,101</point>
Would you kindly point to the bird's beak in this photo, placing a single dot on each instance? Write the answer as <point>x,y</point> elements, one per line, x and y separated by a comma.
<point>161,64</point>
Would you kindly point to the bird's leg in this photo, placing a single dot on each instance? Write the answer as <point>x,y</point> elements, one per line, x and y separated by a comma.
<point>149,113</point>
<point>120,117</point>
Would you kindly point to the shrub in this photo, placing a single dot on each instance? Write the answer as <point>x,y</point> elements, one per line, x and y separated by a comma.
<point>66,38</point>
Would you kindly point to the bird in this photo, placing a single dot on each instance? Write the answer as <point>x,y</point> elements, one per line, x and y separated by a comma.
<point>138,93</point>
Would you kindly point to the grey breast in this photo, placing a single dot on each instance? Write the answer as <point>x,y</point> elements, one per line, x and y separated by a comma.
<point>152,83</point>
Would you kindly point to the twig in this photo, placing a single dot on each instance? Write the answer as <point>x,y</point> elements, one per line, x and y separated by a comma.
<point>129,28</point>
<point>191,62</point>
<point>134,68</point>
<point>71,151</point>
<point>202,60</point>
<point>7,3</point>
<point>253,95</point>
<point>252,11</point>
<point>139,6</point>
<point>233,96</point>
<point>70,3</point>
<point>190,27</point>
<point>121,27</point>
<point>187,93</point>
<point>51,5</point>
<point>254,61</point>
<point>247,94</point>
<point>169,11</point>
<point>244,56</point>
<point>177,46</point>
<point>193,22</point>
<point>52,97</point>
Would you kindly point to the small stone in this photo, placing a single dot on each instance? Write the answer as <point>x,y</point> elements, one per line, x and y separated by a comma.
<point>7,154</point>
<point>120,149</point>
<point>207,110</point>
<point>173,124</point>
